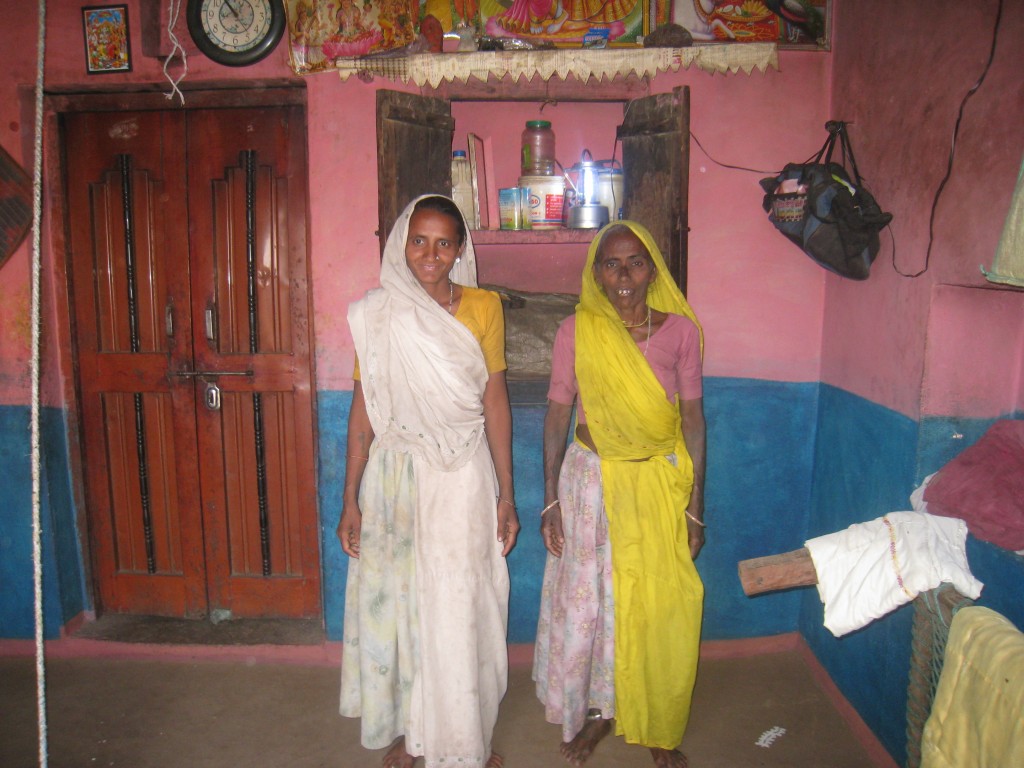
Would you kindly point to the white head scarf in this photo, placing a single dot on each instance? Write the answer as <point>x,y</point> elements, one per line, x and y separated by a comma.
<point>422,371</point>
<point>395,274</point>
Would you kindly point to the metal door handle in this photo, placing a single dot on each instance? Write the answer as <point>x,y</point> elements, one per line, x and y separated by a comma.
<point>211,325</point>
<point>169,319</point>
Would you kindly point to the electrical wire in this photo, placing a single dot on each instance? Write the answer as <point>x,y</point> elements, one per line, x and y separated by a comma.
<point>727,165</point>
<point>952,150</point>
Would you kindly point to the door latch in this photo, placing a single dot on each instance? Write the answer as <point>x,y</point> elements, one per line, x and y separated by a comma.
<point>212,396</point>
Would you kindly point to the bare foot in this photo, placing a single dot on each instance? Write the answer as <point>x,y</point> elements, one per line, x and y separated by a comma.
<point>494,761</point>
<point>669,758</point>
<point>397,757</point>
<point>580,748</point>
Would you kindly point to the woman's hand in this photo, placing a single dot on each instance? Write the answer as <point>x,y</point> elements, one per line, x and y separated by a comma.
<point>348,530</point>
<point>508,526</point>
<point>695,536</point>
<point>551,530</point>
<point>694,517</point>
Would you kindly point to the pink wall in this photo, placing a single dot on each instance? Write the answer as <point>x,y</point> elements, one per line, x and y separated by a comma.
<point>975,352</point>
<point>760,298</point>
<point>901,73</point>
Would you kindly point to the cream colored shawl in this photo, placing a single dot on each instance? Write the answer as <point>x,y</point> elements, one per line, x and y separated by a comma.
<point>422,371</point>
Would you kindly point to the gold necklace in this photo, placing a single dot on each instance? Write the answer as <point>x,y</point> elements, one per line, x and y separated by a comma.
<point>646,321</point>
<point>451,296</point>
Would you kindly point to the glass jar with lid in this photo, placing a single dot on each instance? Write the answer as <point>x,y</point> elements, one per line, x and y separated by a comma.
<point>538,149</point>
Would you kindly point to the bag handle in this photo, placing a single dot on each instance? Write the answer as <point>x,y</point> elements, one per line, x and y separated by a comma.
<point>837,129</point>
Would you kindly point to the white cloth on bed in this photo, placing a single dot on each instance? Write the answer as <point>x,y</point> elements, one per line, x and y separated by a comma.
<point>872,568</point>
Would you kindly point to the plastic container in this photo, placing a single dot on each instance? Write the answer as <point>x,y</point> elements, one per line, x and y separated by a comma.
<point>538,149</point>
<point>462,187</point>
<point>546,196</point>
<point>609,191</point>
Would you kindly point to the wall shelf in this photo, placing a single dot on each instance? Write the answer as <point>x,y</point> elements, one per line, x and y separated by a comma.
<point>604,65</point>
<point>531,236</point>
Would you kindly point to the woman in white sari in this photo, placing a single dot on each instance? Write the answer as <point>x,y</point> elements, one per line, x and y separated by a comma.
<point>429,507</point>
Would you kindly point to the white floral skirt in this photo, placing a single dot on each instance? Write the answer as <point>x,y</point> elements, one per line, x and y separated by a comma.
<point>426,610</point>
<point>574,656</point>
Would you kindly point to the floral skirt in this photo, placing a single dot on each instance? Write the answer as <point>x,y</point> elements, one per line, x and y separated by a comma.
<point>574,658</point>
<point>426,610</point>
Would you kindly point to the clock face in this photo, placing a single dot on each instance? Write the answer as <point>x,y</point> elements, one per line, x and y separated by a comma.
<point>236,32</point>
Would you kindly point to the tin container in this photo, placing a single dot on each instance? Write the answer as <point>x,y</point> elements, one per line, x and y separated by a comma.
<point>546,196</point>
<point>513,208</point>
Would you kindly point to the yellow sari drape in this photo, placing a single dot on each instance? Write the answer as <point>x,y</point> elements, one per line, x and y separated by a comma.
<point>657,591</point>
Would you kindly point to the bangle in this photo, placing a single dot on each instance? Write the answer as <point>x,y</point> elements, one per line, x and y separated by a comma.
<point>701,523</point>
<point>353,456</point>
<point>549,507</point>
<point>511,504</point>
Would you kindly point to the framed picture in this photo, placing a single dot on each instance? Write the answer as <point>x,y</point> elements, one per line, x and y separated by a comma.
<point>321,31</point>
<point>107,43</point>
<point>794,25</point>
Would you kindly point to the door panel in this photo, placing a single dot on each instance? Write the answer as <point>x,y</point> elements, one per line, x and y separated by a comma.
<point>414,152</point>
<point>255,451</point>
<point>188,265</point>
<point>125,193</point>
<point>655,136</point>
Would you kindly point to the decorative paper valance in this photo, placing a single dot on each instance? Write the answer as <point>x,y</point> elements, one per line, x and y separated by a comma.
<point>433,69</point>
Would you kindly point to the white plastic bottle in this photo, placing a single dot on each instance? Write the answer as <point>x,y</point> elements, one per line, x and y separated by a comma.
<point>462,187</point>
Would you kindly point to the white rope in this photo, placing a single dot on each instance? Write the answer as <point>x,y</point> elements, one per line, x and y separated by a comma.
<point>173,10</point>
<point>37,558</point>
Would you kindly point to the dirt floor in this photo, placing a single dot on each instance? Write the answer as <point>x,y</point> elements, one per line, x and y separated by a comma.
<point>122,704</point>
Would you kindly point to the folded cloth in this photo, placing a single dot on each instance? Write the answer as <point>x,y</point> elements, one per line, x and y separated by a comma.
<point>977,716</point>
<point>984,486</point>
<point>873,568</point>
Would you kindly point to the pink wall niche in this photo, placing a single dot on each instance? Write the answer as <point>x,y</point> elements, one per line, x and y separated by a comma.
<point>975,353</point>
<point>929,57</point>
<point>759,297</point>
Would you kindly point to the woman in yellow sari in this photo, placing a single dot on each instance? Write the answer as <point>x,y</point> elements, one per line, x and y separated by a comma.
<point>619,631</point>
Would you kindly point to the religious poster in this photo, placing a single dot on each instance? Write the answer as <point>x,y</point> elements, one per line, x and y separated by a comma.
<point>320,31</point>
<point>797,24</point>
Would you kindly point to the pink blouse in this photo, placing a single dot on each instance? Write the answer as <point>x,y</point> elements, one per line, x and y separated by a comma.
<point>673,354</point>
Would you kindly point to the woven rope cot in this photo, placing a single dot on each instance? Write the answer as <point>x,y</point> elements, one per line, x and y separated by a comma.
<point>933,614</point>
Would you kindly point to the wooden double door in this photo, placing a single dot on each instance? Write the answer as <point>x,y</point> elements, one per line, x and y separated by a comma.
<point>188,271</point>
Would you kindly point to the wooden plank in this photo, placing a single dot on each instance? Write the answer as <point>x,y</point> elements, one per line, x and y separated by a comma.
<point>620,88</point>
<point>655,137</point>
<point>774,572</point>
<point>414,153</point>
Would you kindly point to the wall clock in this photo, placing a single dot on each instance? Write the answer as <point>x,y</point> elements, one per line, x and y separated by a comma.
<point>236,32</point>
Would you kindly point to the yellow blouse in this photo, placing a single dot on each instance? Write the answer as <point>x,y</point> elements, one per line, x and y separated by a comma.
<point>480,311</point>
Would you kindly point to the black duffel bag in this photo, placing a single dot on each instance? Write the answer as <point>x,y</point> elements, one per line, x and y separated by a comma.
<point>827,212</point>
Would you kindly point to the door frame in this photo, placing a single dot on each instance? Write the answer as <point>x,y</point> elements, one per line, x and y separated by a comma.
<point>58,289</point>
